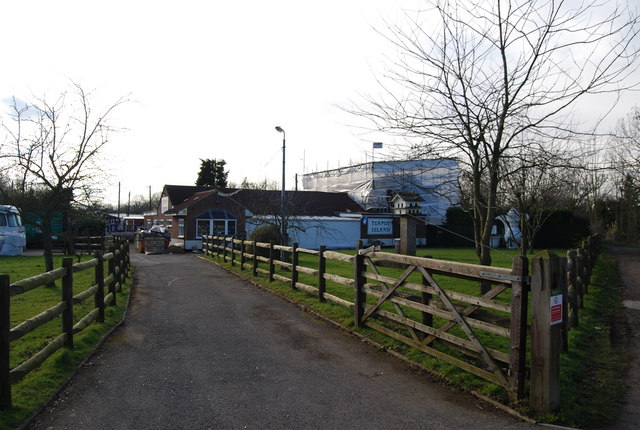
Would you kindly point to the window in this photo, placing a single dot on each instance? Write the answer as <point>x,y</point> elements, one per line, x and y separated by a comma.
<point>181,228</point>
<point>169,222</point>
<point>216,222</point>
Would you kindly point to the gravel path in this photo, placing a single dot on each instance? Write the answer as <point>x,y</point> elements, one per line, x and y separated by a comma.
<point>202,349</point>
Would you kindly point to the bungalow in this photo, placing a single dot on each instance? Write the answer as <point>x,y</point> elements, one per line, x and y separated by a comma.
<point>314,217</point>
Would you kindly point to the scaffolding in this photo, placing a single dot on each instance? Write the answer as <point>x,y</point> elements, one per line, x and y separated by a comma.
<point>373,184</point>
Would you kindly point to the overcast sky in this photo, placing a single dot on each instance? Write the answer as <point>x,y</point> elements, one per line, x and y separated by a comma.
<point>209,79</point>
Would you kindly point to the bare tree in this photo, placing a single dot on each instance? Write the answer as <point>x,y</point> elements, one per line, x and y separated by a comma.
<point>53,148</point>
<point>533,184</point>
<point>473,78</point>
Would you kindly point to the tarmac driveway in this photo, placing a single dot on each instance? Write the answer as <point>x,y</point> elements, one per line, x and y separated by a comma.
<point>203,349</point>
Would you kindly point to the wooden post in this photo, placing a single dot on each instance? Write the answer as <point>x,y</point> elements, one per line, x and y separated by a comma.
<point>546,339</point>
<point>242,259</point>
<point>111,268</point>
<point>427,318</point>
<point>322,268</point>
<point>572,290</point>
<point>518,339</point>
<point>5,328</point>
<point>272,268</point>
<point>581,269</point>
<point>67,297</point>
<point>99,281</point>
<point>233,250</point>
<point>564,287</point>
<point>294,266</point>
<point>255,258</point>
<point>359,296</point>
<point>224,248</point>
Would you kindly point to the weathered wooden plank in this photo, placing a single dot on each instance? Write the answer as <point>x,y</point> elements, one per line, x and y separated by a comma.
<point>262,271</point>
<point>433,310</point>
<point>339,279</point>
<point>108,298</point>
<point>388,291</point>
<point>338,301</point>
<point>79,267</point>
<point>308,251</point>
<point>19,372</point>
<point>89,292</point>
<point>332,255</point>
<point>469,310</point>
<point>473,300</point>
<point>263,259</point>
<point>86,320</point>
<point>435,353</point>
<point>32,323</point>
<point>308,270</point>
<point>455,340</point>
<point>307,288</point>
<point>282,264</point>
<point>283,248</point>
<point>281,278</point>
<point>465,327</point>
<point>5,342</point>
<point>28,284</point>
<point>442,266</point>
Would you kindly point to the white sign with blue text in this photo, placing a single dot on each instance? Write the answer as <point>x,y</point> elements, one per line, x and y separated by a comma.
<point>380,226</point>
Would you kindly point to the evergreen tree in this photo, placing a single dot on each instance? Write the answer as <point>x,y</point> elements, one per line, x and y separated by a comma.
<point>212,173</point>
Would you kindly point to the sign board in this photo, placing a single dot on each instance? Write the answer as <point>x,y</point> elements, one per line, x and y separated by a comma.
<point>556,309</point>
<point>182,211</point>
<point>379,226</point>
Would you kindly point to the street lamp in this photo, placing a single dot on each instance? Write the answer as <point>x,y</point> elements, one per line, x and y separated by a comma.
<point>282,194</point>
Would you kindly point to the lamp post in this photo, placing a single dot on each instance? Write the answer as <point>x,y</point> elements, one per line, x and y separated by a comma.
<point>283,196</point>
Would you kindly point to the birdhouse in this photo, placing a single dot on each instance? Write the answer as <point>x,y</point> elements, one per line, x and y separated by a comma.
<point>407,204</point>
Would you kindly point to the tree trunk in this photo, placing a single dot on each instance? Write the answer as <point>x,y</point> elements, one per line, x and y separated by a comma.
<point>47,245</point>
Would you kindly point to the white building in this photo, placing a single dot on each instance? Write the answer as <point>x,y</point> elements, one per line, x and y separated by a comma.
<point>373,184</point>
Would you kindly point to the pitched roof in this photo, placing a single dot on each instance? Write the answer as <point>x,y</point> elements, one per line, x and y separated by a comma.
<point>267,202</point>
<point>179,193</point>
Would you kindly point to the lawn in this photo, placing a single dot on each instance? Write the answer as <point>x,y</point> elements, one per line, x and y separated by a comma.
<point>38,386</point>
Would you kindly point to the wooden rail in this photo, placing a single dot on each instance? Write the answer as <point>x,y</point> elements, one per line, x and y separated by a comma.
<point>404,298</point>
<point>403,295</point>
<point>118,269</point>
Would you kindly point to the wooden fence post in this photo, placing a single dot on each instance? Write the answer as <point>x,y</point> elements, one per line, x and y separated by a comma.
<point>242,259</point>
<point>111,268</point>
<point>255,258</point>
<point>99,281</point>
<point>224,248</point>
<point>294,266</point>
<point>233,250</point>
<point>322,268</point>
<point>5,327</point>
<point>67,297</point>
<point>518,329</point>
<point>546,338</point>
<point>359,296</point>
<point>575,300</point>
<point>581,271</point>
<point>272,268</point>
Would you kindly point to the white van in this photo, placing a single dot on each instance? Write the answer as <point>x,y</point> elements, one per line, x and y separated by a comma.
<point>12,233</point>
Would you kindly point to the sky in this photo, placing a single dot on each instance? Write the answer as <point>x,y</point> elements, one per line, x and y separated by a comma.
<point>208,79</point>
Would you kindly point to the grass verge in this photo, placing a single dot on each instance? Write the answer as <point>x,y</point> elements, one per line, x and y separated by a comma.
<point>30,394</point>
<point>593,372</point>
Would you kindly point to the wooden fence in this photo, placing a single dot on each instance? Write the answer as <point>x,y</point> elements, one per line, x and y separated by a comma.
<point>435,306</point>
<point>118,267</point>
